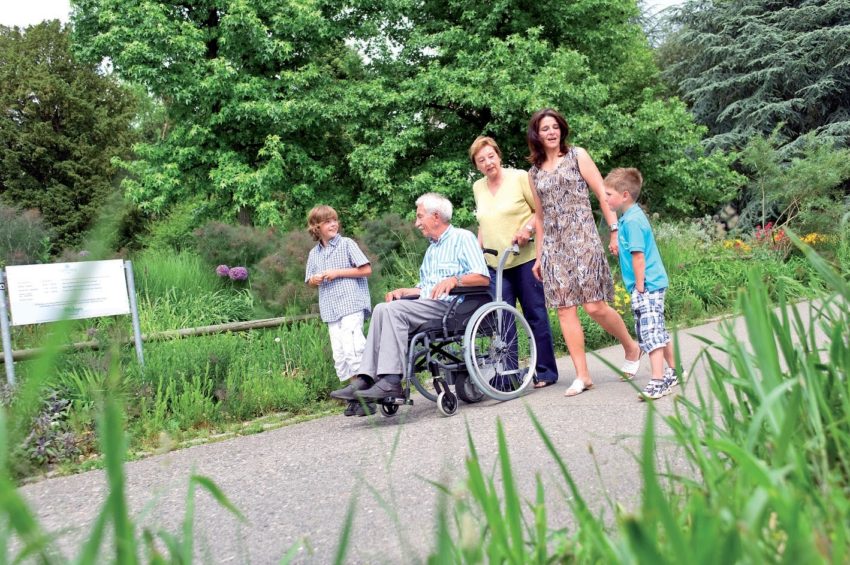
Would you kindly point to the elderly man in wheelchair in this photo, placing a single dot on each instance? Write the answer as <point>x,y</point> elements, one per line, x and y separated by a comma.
<point>452,260</point>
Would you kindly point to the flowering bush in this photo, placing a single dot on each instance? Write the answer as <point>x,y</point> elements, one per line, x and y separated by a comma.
<point>238,274</point>
<point>815,239</point>
<point>770,237</point>
<point>222,271</point>
<point>738,245</point>
<point>621,299</point>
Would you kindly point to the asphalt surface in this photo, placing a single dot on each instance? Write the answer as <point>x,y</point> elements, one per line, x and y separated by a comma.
<point>295,484</point>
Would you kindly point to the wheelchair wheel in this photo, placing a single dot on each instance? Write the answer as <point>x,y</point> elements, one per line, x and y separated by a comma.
<point>447,403</point>
<point>389,410</point>
<point>466,390</point>
<point>500,351</point>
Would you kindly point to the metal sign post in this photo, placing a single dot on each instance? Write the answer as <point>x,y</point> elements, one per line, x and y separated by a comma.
<point>7,334</point>
<point>134,311</point>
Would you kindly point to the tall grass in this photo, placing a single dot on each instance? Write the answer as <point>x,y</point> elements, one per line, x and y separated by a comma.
<point>766,437</point>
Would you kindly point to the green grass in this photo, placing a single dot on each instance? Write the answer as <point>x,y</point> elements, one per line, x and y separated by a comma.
<point>766,438</point>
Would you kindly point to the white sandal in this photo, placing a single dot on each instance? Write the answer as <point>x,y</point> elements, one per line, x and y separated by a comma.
<point>630,368</point>
<point>577,388</point>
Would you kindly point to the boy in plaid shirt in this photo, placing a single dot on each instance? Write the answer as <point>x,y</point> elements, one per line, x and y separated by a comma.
<point>644,277</point>
<point>338,268</point>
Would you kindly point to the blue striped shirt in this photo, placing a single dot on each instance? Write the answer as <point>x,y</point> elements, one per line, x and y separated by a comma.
<point>342,296</point>
<point>456,253</point>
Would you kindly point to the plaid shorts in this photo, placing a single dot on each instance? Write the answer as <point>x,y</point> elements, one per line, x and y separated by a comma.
<point>648,309</point>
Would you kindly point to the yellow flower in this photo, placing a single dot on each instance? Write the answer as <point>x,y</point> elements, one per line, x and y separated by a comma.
<point>814,238</point>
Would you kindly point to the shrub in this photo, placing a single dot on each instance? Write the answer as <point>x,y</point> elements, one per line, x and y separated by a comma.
<point>279,278</point>
<point>397,244</point>
<point>173,232</point>
<point>24,238</point>
<point>220,243</point>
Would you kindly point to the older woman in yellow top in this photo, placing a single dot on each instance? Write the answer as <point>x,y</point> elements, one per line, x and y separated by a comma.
<point>505,210</point>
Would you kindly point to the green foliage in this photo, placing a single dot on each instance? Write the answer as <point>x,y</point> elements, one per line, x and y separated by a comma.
<point>269,107</point>
<point>806,191</point>
<point>23,237</point>
<point>747,68</point>
<point>766,448</point>
<point>466,70</point>
<point>63,122</point>
<point>258,96</point>
<point>174,231</point>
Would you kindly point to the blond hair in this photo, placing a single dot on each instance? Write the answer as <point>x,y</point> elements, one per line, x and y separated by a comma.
<point>480,143</point>
<point>317,216</point>
<point>624,179</point>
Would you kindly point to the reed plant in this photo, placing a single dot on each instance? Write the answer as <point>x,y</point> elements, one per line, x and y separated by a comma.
<point>766,440</point>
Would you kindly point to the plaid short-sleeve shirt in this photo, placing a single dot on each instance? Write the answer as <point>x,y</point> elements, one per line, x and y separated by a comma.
<point>342,296</point>
<point>455,253</point>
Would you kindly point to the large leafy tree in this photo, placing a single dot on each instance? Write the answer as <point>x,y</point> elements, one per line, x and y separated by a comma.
<point>260,97</point>
<point>459,69</point>
<point>62,122</point>
<point>274,106</point>
<point>747,67</point>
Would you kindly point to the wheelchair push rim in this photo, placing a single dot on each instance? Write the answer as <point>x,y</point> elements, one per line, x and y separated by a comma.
<point>500,351</point>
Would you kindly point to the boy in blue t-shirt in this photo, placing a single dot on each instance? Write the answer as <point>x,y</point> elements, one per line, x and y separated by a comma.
<point>644,277</point>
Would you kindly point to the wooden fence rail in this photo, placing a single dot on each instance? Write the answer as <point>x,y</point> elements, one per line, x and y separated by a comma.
<point>24,354</point>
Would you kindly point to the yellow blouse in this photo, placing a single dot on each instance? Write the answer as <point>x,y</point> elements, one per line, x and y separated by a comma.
<point>501,215</point>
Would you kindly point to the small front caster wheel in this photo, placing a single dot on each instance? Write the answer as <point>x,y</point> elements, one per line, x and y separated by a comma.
<point>447,403</point>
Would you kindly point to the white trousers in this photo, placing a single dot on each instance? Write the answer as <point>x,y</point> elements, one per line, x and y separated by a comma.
<point>347,342</point>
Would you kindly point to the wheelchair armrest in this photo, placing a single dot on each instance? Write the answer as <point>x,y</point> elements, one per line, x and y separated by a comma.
<point>464,290</point>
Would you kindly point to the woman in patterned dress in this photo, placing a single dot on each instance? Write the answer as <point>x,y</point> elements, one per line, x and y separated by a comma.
<point>570,259</point>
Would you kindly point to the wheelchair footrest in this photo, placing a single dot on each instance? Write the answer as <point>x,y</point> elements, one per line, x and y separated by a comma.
<point>395,401</point>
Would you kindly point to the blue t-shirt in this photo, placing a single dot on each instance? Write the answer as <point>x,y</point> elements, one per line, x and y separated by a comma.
<point>635,234</point>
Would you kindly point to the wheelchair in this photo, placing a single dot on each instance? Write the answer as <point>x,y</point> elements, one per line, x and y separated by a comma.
<point>482,347</point>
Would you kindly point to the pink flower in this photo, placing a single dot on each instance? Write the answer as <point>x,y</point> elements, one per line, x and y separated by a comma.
<point>238,274</point>
<point>222,270</point>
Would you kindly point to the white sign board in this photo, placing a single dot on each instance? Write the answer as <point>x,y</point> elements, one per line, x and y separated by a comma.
<point>61,291</point>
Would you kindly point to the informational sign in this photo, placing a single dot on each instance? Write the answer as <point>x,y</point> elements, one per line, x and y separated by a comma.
<point>61,291</point>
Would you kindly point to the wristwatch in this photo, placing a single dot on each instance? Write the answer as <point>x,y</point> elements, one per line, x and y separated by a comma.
<point>457,278</point>
<point>614,226</point>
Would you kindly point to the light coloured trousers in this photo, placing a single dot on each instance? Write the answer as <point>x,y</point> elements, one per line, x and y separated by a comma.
<point>386,344</point>
<point>347,342</point>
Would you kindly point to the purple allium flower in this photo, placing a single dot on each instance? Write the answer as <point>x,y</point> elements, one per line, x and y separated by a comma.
<point>83,253</point>
<point>238,274</point>
<point>222,270</point>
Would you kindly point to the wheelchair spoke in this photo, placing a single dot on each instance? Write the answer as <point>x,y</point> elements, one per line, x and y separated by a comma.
<point>500,351</point>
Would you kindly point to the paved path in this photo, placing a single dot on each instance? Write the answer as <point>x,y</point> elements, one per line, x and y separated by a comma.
<point>294,484</point>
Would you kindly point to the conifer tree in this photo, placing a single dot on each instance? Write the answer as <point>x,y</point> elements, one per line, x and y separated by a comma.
<point>62,124</point>
<point>746,67</point>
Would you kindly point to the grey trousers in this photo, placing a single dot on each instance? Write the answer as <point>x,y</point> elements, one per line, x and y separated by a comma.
<point>386,343</point>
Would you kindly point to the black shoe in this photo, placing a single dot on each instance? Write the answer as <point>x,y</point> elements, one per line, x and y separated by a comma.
<point>350,408</point>
<point>355,384</point>
<point>383,388</point>
<point>359,410</point>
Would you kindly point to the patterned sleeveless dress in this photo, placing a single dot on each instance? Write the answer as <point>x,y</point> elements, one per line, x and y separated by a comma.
<point>573,262</point>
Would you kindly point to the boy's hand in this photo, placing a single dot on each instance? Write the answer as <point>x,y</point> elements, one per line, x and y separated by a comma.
<point>329,276</point>
<point>535,270</point>
<point>612,246</point>
<point>316,279</point>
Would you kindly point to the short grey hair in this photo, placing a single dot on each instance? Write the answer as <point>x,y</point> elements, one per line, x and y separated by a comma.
<point>433,202</point>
